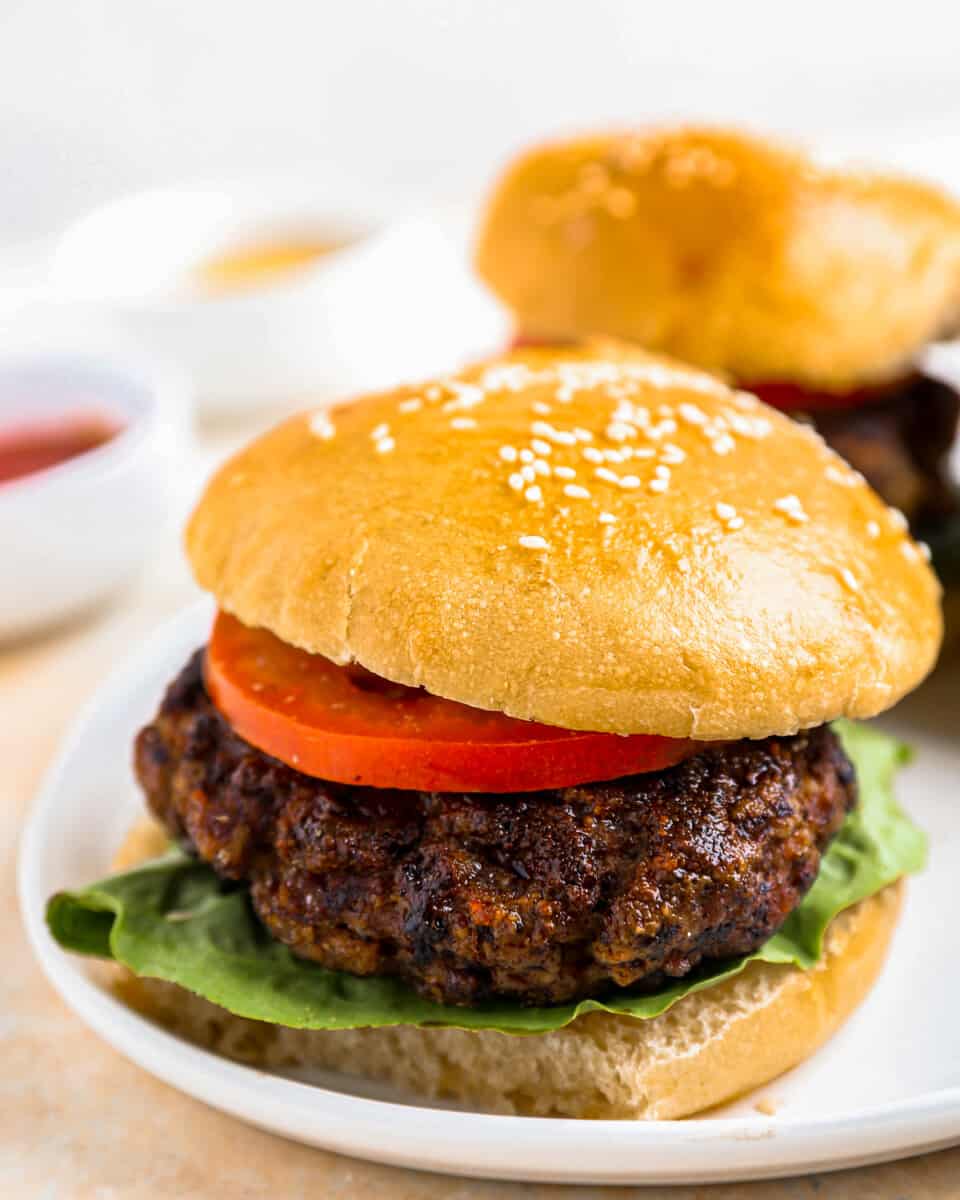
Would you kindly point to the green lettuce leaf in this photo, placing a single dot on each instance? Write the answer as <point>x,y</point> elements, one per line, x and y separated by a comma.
<point>173,919</point>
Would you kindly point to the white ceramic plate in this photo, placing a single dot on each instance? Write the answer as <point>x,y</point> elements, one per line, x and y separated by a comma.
<point>888,1085</point>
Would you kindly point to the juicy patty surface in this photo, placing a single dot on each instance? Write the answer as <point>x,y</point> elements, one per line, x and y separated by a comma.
<point>538,897</point>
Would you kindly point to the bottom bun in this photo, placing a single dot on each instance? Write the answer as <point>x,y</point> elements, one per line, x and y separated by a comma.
<point>708,1048</point>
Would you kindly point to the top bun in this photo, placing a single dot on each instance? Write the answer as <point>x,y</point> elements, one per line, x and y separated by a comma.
<point>730,252</point>
<point>678,559</point>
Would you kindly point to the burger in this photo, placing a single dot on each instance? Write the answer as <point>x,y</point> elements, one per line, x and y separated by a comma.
<point>816,289</point>
<point>522,765</point>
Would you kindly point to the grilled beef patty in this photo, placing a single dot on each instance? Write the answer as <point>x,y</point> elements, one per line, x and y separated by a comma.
<point>534,897</point>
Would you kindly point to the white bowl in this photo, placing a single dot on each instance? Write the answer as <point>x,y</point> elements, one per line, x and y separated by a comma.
<point>388,305</point>
<point>71,534</point>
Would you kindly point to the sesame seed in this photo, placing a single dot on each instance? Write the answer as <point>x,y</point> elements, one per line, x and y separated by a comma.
<point>516,481</point>
<point>629,481</point>
<point>683,565</point>
<point>662,472</point>
<point>751,427</point>
<point>620,202</point>
<point>724,511</point>
<point>607,474</point>
<point>526,456</point>
<point>463,423</point>
<point>619,431</point>
<point>433,392</point>
<point>508,453</point>
<point>592,454</point>
<point>691,414</point>
<point>791,508</point>
<point>576,492</point>
<point>540,408</point>
<point>528,473</point>
<point>414,404</point>
<point>559,436</point>
<point>607,518</point>
<point>565,472</point>
<point>582,435</point>
<point>723,444</point>
<point>533,541</point>
<point>844,478</point>
<point>925,552</point>
<point>541,446</point>
<point>656,485</point>
<point>385,445</point>
<point>511,377</point>
<point>850,579</point>
<point>381,431</point>
<point>321,426</point>
<point>897,519</point>
<point>594,178</point>
<point>672,454</point>
<point>534,494</point>
<point>540,466</point>
<point>735,523</point>
<point>465,395</point>
<point>873,529</point>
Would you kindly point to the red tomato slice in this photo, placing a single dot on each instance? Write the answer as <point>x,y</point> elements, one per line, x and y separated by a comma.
<point>791,397</point>
<point>521,341</point>
<point>347,725</point>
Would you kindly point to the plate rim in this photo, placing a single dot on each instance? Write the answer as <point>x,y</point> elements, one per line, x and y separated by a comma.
<point>476,1144</point>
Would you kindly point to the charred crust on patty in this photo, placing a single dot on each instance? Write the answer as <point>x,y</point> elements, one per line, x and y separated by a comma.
<point>540,898</point>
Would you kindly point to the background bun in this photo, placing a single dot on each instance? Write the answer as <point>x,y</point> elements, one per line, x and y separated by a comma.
<point>731,578</point>
<point>725,250</point>
<point>710,1047</point>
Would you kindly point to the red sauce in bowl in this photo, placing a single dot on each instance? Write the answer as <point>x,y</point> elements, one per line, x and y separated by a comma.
<point>29,447</point>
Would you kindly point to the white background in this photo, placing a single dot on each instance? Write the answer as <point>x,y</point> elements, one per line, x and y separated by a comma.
<point>414,101</point>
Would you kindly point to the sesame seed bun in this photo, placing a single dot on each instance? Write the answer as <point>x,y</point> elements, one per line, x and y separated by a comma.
<point>710,1047</point>
<point>728,577</point>
<point>730,252</point>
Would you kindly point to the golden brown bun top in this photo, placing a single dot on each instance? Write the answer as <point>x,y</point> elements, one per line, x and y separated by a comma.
<point>679,559</point>
<point>727,251</point>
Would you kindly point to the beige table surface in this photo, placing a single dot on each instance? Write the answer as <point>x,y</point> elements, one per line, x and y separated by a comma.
<point>79,1121</point>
